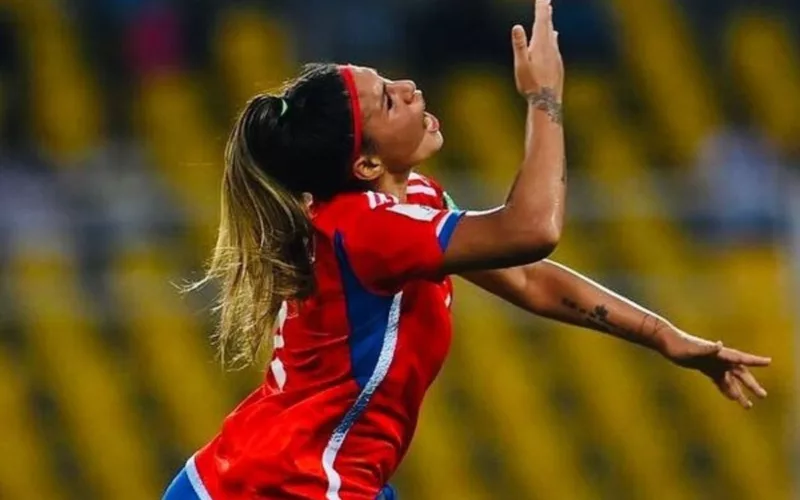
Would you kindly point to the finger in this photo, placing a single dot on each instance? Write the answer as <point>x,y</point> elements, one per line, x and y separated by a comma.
<point>706,348</point>
<point>743,358</point>
<point>543,22</point>
<point>724,387</point>
<point>544,12</point>
<point>749,381</point>
<point>519,40</point>
<point>737,392</point>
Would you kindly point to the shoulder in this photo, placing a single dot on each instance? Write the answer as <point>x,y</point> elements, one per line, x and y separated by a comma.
<point>348,209</point>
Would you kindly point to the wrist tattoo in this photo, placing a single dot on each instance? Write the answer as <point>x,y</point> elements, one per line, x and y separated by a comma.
<point>547,100</point>
<point>652,326</point>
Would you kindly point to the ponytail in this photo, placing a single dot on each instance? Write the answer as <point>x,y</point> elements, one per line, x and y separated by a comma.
<point>280,149</point>
<point>263,252</point>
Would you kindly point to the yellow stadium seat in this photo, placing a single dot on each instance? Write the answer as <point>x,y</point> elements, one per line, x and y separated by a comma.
<point>481,118</point>
<point>188,153</point>
<point>253,53</point>
<point>661,55</point>
<point>87,385</point>
<point>506,381</point>
<point>771,83</point>
<point>646,242</point>
<point>438,462</point>
<point>756,276</point>
<point>759,304</point>
<point>493,144</point>
<point>170,343</point>
<point>64,99</point>
<point>621,414</point>
<point>25,471</point>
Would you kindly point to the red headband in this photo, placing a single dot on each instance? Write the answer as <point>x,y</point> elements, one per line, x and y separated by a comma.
<point>355,106</point>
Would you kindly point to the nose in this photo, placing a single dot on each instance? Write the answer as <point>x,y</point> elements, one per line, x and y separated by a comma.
<point>408,89</point>
<point>408,85</point>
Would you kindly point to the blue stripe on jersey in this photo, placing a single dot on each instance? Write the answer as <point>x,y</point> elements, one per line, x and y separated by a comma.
<point>187,485</point>
<point>368,315</point>
<point>181,488</point>
<point>446,231</point>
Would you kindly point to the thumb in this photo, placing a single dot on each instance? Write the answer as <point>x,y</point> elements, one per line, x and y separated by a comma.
<point>708,348</point>
<point>519,40</point>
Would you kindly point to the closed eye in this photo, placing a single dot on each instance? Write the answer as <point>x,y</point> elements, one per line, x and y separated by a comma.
<point>387,98</point>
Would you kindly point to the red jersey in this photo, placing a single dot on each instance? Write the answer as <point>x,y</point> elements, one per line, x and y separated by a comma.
<point>351,364</point>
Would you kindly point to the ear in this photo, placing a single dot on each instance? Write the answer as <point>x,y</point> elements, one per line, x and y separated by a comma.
<point>368,168</point>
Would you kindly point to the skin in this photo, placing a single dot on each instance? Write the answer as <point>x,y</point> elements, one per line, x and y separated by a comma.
<point>396,121</point>
<point>405,135</point>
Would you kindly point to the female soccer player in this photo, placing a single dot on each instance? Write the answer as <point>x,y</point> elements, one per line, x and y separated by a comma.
<point>327,231</point>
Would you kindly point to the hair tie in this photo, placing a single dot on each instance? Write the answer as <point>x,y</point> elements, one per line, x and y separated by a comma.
<point>284,107</point>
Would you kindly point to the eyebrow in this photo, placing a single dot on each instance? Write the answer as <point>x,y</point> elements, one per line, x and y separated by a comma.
<point>383,95</point>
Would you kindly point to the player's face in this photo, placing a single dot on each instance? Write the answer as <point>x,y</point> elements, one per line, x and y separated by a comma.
<point>395,120</point>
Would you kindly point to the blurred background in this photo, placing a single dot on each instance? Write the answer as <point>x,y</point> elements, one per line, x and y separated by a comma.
<point>683,122</point>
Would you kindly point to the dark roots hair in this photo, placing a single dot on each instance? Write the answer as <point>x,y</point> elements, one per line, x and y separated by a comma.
<point>281,147</point>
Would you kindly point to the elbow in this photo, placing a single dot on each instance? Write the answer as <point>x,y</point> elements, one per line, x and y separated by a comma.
<point>548,240</point>
<point>539,243</point>
<point>534,235</point>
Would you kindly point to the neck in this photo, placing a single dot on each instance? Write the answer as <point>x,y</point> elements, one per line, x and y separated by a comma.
<point>394,184</point>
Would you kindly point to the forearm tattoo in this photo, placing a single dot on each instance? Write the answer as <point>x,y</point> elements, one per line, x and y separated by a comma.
<point>599,319</point>
<point>596,318</point>
<point>547,100</point>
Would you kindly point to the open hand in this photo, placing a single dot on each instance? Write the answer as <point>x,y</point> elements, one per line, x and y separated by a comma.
<point>538,64</point>
<point>726,367</point>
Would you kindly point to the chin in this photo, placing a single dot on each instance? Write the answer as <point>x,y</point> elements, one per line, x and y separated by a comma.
<point>439,138</point>
<point>430,146</point>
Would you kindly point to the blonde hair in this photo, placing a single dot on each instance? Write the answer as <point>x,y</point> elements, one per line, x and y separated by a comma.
<point>263,251</point>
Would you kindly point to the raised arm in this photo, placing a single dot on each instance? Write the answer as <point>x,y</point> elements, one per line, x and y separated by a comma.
<point>528,226</point>
<point>553,291</point>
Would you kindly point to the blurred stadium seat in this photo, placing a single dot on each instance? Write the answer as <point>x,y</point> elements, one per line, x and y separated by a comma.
<point>254,54</point>
<point>26,469</point>
<point>764,61</point>
<point>109,379</point>
<point>666,70</point>
<point>90,390</point>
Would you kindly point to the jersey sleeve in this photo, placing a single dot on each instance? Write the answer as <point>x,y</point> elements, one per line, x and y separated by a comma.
<point>392,244</point>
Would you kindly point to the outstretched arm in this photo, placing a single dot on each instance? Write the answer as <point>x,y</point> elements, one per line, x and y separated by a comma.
<point>554,291</point>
